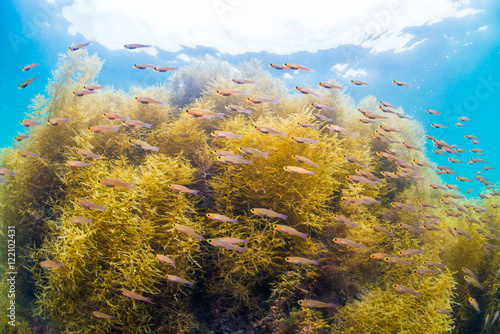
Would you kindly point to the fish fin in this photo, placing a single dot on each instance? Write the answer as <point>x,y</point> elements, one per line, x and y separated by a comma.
<point>130,185</point>
<point>303,235</point>
<point>256,83</point>
<point>285,217</point>
<point>266,155</point>
<point>127,118</point>
<point>239,136</point>
<point>163,103</point>
<point>249,112</point>
<point>190,283</point>
<point>276,101</point>
<point>243,250</point>
<point>114,128</point>
<point>284,134</point>
<point>148,126</point>
<point>68,120</point>
<point>220,115</point>
<point>246,92</point>
<point>315,165</point>
<point>156,149</point>
<point>248,162</point>
<point>207,117</point>
<point>316,263</point>
<point>352,134</point>
<point>310,172</point>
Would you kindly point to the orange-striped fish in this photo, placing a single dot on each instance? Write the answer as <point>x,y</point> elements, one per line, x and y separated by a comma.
<point>434,264</point>
<point>400,83</point>
<point>21,137</point>
<point>260,100</point>
<point>231,160</point>
<point>244,81</point>
<point>143,145</point>
<point>102,128</point>
<point>302,140</point>
<point>360,179</point>
<point>474,282</point>
<point>322,117</point>
<point>267,213</point>
<point>297,170</point>
<point>226,135</point>
<point>253,151</point>
<point>341,130</point>
<point>179,280</point>
<point>76,164</point>
<point>410,252</point>
<point>304,160</point>
<point>233,240</point>
<point>29,122</point>
<point>27,154</point>
<point>289,230</point>
<point>426,271</point>
<point>306,91</point>
<point>301,260</point>
<point>113,116</point>
<point>203,114</point>
<point>5,171</point>
<point>443,311</point>
<point>188,231</point>
<point>80,220</point>
<point>232,107</point>
<point>89,205</point>
<point>57,121</point>
<point>88,154</point>
<point>51,264</point>
<point>359,83</point>
<point>346,221</point>
<point>354,161</point>
<point>183,189</point>
<point>83,92</point>
<point>314,303</point>
<point>222,218</point>
<point>474,304</point>
<point>270,131</point>
<point>380,256</point>
<point>79,46</point>
<point>149,100</point>
<point>433,112</point>
<point>163,69</point>
<point>137,124</point>
<point>347,242</point>
<point>297,67</point>
<point>230,92</point>
<point>330,86</point>
<point>30,66</point>
<point>397,260</point>
<point>94,87</point>
<point>135,46</point>
<point>227,154</point>
<point>226,245</point>
<point>115,183</point>
<point>135,296</point>
<point>143,66</point>
<point>381,230</point>
<point>103,315</point>
<point>408,228</point>
<point>278,67</point>
<point>404,289</point>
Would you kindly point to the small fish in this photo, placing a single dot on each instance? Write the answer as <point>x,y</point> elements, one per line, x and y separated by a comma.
<point>253,151</point>
<point>329,86</point>
<point>410,252</point>
<point>178,280</point>
<point>389,129</point>
<point>371,115</point>
<point>359,83</point>
<point>226,245</point>
<point>102,315</point>
<point>27,154</point>
<point>470,137</point>
<point>469,272</point>
<point>29,122</point>
<point>298,170</point>
<point>426,271</point>
<point>400,206</point>
<point>433,112</point>
<point>89,205</point>
<point>57,121</point>
<point>322,117</point>
<point>434,264</point>
<point>469,191</point>
<point>426,204</point>
<point>79,46</point>
<point>404,289</point>
<point>463,179</point>
<point>226,154</point>
<point>143,145</point>
<point>474,304</point>
<point>102,128</point>
<point>267,213</point>
<point>136,124</point>
<point>422,163</point>
<point>88,154</point>
<point>92,88</point>
<point>451,232</point>
<point>381,230</point>
<point>370,200</point>
<point>21,137</point>
<point>306,91</point>
<point>354,200</point>
<point>367,175</point>
<point>244,81</point>
<point>385,104</point>
<point>454,160</point>
<point>438,126</point>
<point>232,107</point>
<point>304,160</point>
<point>5,171</point>
<point>223,218</point>
<point>260,100</point>
<point>396,260</point>
<point>135,46</point>
<point>51,264</point>
<point>301,260</point>
<point>459,124</point>
<point>231,160</point>
<point>307,125</point>
<point>437,186</point>
<point>30,66</point>
<point>271,131</point>
<point>380,256</point>
<point>297,67</point>
<point>83,92</point>
<point>143,66</point>
<point>183,189</point>
<point>475,142</point>
<point>411,147</point>
<point>321,107</point>
<point>408,228</point>
<point>387,110</point>
<point>341,130</point>
<point>464,119</point>
<point>314,303</point>
<point>462,232</point>
<point>368,121</point>
<point>360,179</point>
<point>346,221</point>
<point>135,296</point>
<point>163,69</point>
<point>149,100</point>
<point>347,242</point>
<point>230,92</point>
<point>187,230</point>
<point>80,220</point>
<point>402,116</point>
<point>233,240</point>
<point>76,164</point>
<point>302,140</point>
<point>113,116</point>
<point>400,83</point>
<point>115,183</point>
<point>354,161</point>
<point>443,311</point>
<point>225,134</point>
<point>495,318</point>
<point>289,230</point>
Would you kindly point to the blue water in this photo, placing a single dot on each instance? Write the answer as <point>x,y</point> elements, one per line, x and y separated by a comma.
<point>455,71</point>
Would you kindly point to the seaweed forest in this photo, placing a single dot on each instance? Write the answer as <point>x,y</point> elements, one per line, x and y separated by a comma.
<point>186,208</point>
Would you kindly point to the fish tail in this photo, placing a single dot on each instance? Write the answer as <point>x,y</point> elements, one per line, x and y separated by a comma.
<point>276,101</point>
<point>256,83</point>
<point>285,217</point>
<point>248,162</point>
<point>233,221</point>
<point>156,149</point>
<point>127,119</point>
<point>130,185</point>
<point>200,237</point>
<point>361,246</point>
<point>242,250</point>
<point>315,142</point>
<point>239,136</point>
<point>114,128</point>
<point>316,263</point>
<point>173,263</point>
<point>148,126</point>
<point>352,134</point>
<point>35,155</point>
<point>373,183</point>
<point>246,92</point>
<point>249,112</point>
<point>207,117</point>
<point>482,287</point>
<point>266,155</point>
<point>408,263</point>
<point>86,164</point>
<point>194,192</point>
<point>190,283</point>
<point>417,294</point>
<point>284,134</point>
<point>68,120</point>
<point>163,104</point>
<point>147,300</point>
<point>303,235</point>
<point>220,115</point>
<point>310,172</point>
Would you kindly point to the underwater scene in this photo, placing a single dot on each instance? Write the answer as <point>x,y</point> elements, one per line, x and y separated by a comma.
<point>244,167</point>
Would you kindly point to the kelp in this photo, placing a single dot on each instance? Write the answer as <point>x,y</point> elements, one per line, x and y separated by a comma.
<point>257,290</point>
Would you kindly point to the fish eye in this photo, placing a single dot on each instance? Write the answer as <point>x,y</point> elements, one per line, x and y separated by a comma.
<point>293,156</point>
<point>414,271</point>
<point>217,92</point>
<point>208,215</point>
<point>386,259</point>
<point>394,285</point>
<point>300,302</point>
<point>296,87</point>
<point>372,256</point>
<point>136,97</point>
<point>130,140</point>
<point>287,259</point>
<point>335,239</point>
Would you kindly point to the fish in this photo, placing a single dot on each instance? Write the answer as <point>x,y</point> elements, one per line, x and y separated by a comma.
<point>408,228</point>
<point>400,206</point>
<point>289,230</point>
<point>462,232</point>
<point>307,125</point>
<point>400,83</point>
<point>57,121</point>
<point>459,124</point>
<point>410,146</point>
<point>495,318</point>
<point>368,121</point>
<point>225,134</point>
<point>438,126</point>
<point>370,200</point>
<point>360,179</point>
<point>29,122</point>
<point>163,69</point>
<point>76,164</point>
<point>137,124</point>
<point>115,183</point>
<point>388,129</point>
<point>27,154</point>
<point>354,161</point>
<point>469,272</point>
<point>410,252</point>
<point>474,304</point>
<point>396,260</point>
<point>187,230</point>
<point>341,130</point>
<point>83,92</point>
<point>346,221</point>
<point>183,189</point>
<point>426,204</point>
<point>475,142</point>
<point>143,66</point>
<point>80,220</point>
<point>463,179</point>
<point>79,46</point>
<point>434,264</point>
<point>451,232</point>
<point>231,160</point>
<point>135,46</point>
<point>297,67</point>
<point>367,175</point>
<point>386,104</point>
<point>113,116</point>
<point>253,151</point>
<point>464,119</point>
<point>469,191</point>
<point>470,137</point>
<point>322,117</point>
<point>94,87</point>
<point>270,131</point>
<point>347,242</point>
<point>51,264</point>
<point>244,81</point>
<point>330,86</point>
<point>226,245</point>
<point>380,256</point>
<point>223,218</point>
<point>298,170</point>
<point>149,100</point>
<point>226,154</point>
<point>88,154</point>
<point>387,110</point>
<point>381,230</point>
<point>371,115</point>
<point>230,92</point>
<point>232,107</point>
<point>403,116</point>
<point>21,137</point>
<point>178,280</point>
<point>260,100</point>
<point>433,112</point>
<point>30,66</point>
<point>437,186</point>
<point>454,160</point>
<point>314,303</point>
<point>143,145</point>
<point>354,200</point>
<point>102,128</point>
<point>404,289</point>
<point>89,205</point>
<point>302,140</point>
<point>306,91</point>
<point>135,296</point>
<point>422,163</point>
<point>301,260</point>
<point>103,315</point>
<point>443,311</point>
<point>268,213</point>
<point>304,160</point>
<point>278,67</point>
<point>5,171</point>
<point>390,175</point>
<point>359,83</point>
<point>233,240</point>
<point>203,114</point>
<point>426,271</point>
